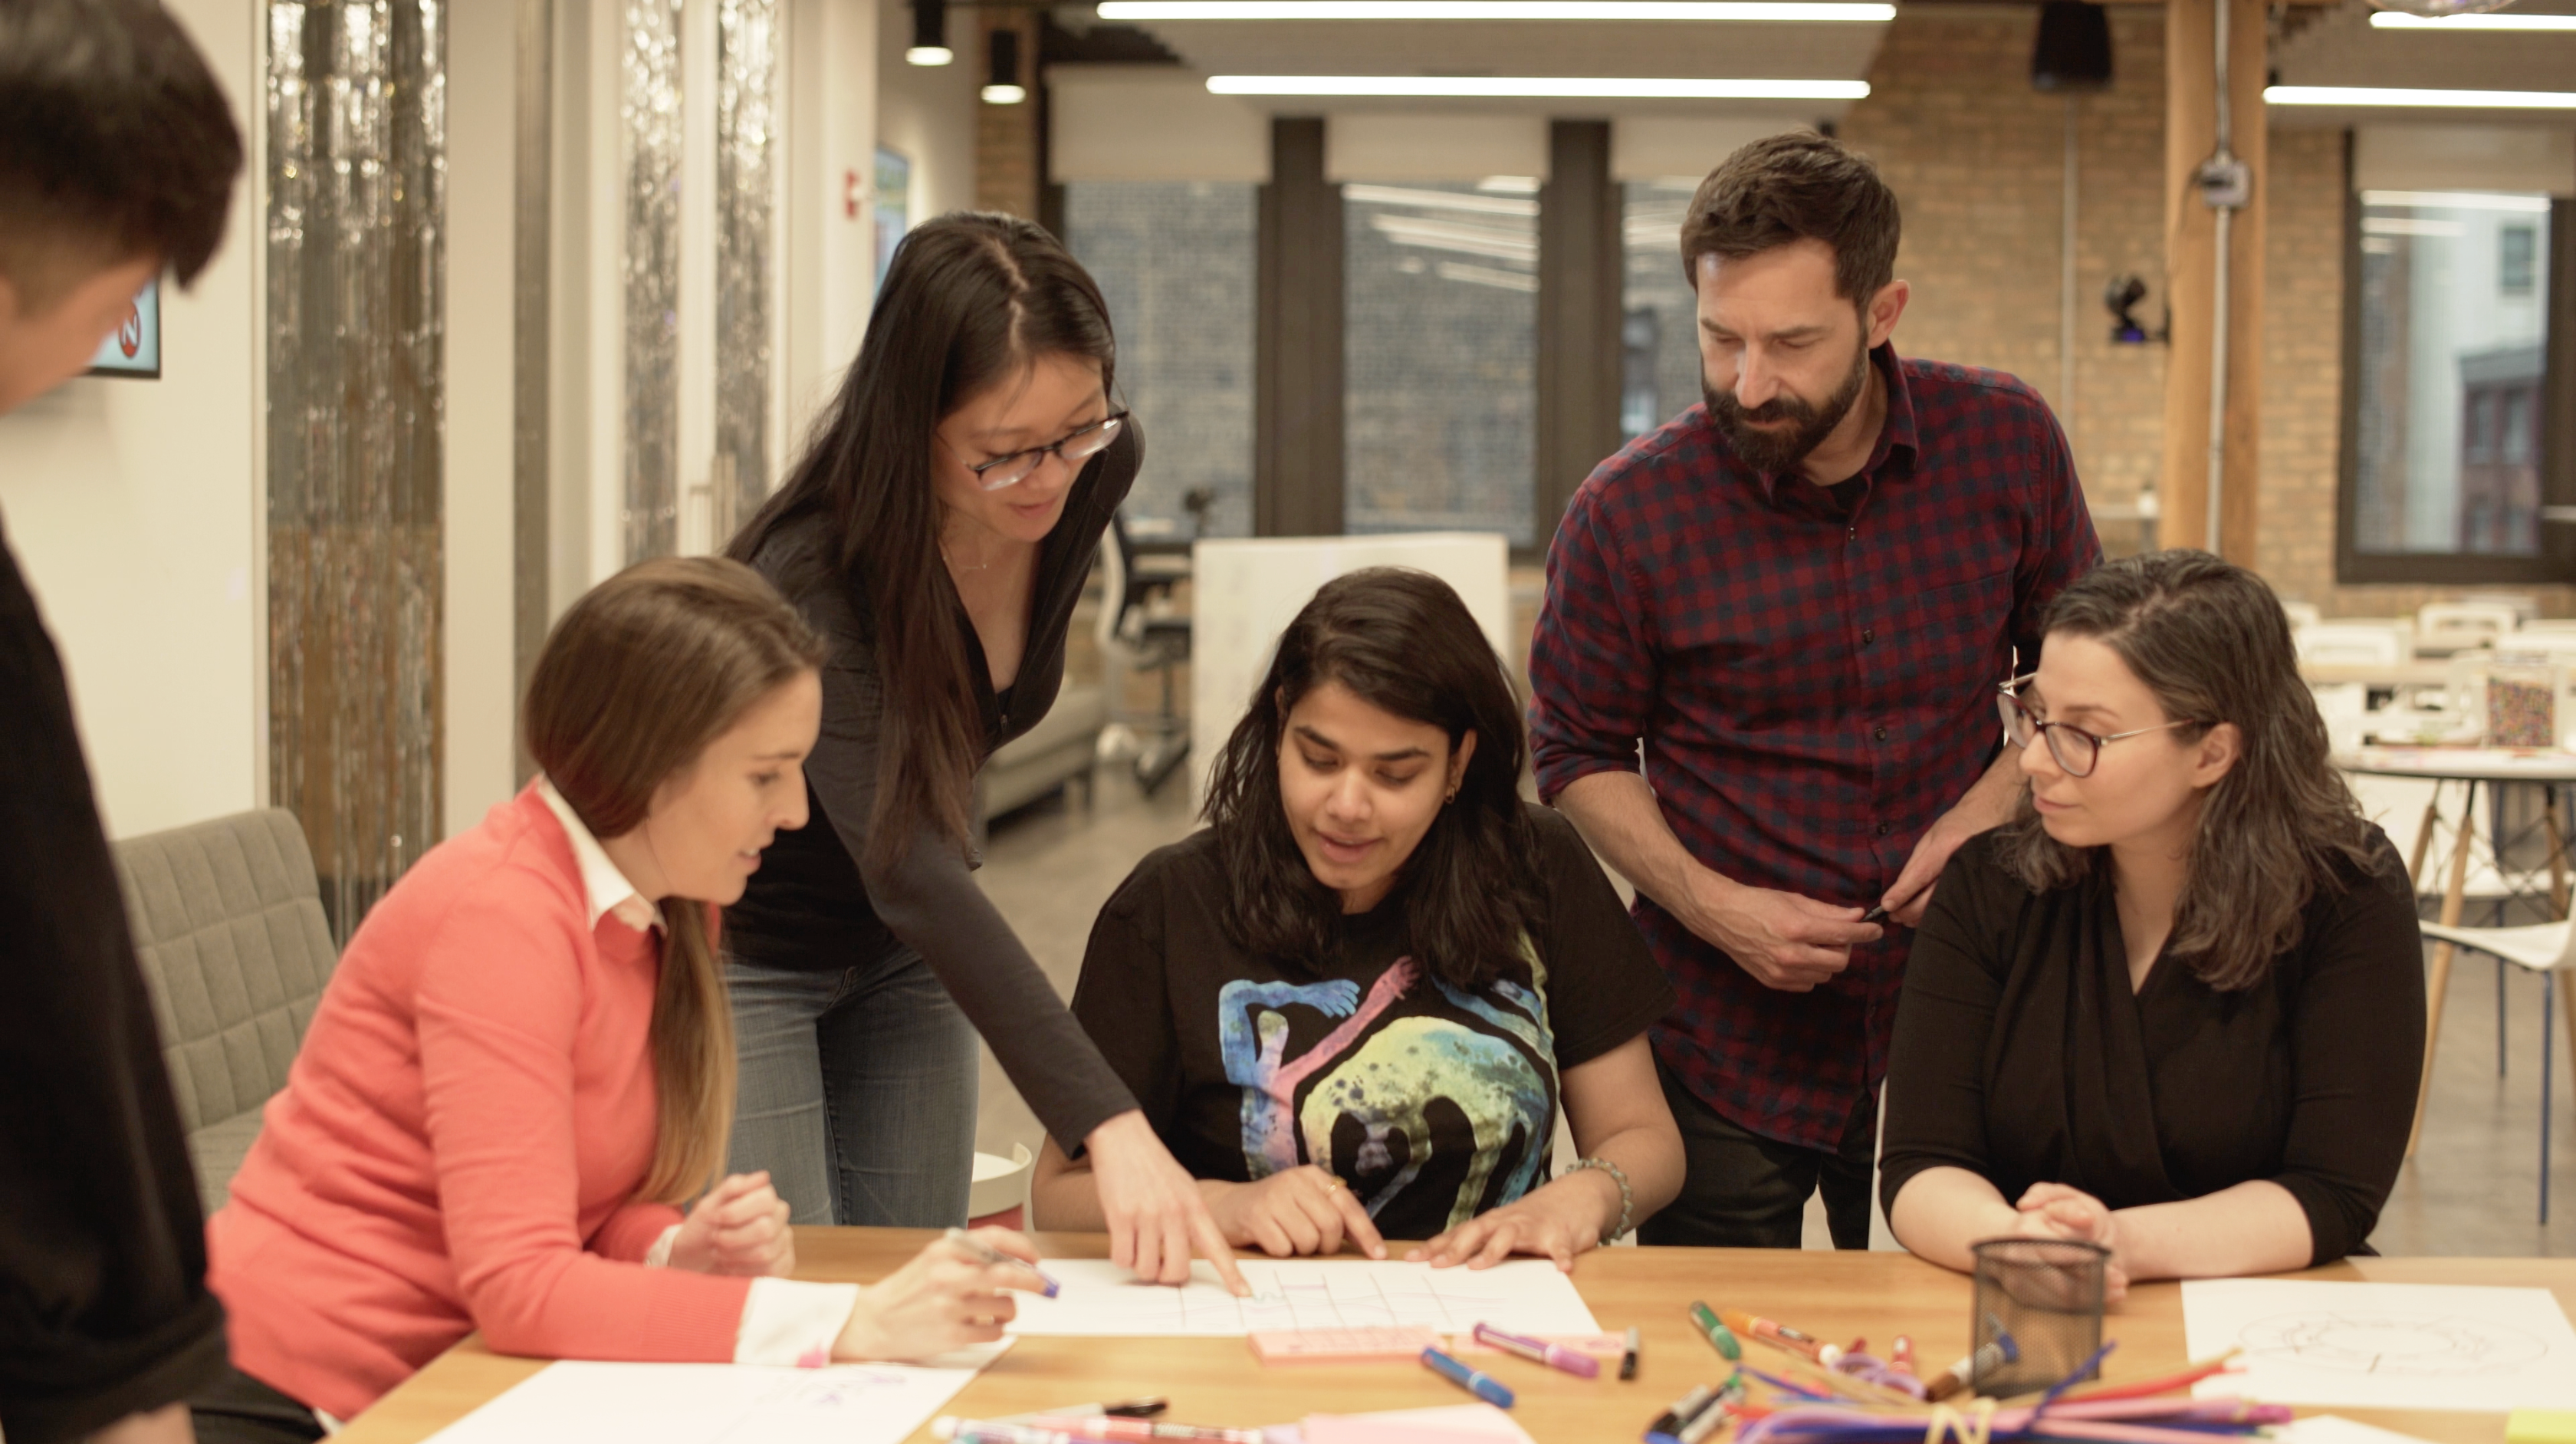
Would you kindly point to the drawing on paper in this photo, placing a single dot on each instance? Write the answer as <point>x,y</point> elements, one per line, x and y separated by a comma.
<point>1099,1298</point>
<point>2392,1344</point>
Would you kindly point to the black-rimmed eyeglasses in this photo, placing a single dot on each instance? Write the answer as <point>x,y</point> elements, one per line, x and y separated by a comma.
<point>2075,749</point>
<point>1075,449</point>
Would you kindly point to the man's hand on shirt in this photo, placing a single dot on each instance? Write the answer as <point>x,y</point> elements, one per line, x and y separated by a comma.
<point>1988,804</point>
<point>1787,942</point>
<point>739,1227</point>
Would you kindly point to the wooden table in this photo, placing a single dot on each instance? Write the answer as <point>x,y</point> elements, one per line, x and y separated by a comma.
<point>1215,1381</point>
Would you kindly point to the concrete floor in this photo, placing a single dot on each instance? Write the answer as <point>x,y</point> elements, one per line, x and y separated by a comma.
<point>2472,1189</point>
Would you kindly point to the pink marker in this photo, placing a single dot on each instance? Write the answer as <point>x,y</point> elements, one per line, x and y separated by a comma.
<point>1540,1351</point>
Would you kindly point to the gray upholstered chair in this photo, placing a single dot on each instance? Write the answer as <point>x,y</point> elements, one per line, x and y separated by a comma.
<point>228,923</point>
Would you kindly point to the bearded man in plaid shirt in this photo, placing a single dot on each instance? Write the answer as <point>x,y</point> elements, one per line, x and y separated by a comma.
<point>1796,599</point>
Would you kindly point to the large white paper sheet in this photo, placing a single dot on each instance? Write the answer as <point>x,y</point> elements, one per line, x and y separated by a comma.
<point>1526,1296</point>
<point>720,1403</point>
<point>2384,1346</point>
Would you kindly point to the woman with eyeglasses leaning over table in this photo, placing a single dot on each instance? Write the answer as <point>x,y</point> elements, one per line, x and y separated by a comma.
<point>523,1069</point>
<point>937,533</point>
<point>1356,1001</point>
<point>2176,1006</point>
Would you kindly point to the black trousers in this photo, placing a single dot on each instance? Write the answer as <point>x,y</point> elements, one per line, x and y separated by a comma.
<point>1742,1190</point>
<point>238,1409</point>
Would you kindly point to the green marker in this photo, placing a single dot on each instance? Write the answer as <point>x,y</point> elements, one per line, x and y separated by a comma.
<point>1720,1337</point>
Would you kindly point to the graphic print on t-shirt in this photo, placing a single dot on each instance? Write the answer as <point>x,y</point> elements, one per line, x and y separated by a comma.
<point>1435,1090</point>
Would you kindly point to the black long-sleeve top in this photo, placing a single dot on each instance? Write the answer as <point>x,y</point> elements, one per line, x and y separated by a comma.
<point>813,905</point>
<point>2022,1053</point>
<point>104,1310</point>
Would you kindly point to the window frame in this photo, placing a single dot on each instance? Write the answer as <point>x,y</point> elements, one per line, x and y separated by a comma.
<point>2556,561</point>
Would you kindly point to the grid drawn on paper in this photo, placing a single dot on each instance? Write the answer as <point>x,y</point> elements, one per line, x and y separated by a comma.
<point>1290,1297</point>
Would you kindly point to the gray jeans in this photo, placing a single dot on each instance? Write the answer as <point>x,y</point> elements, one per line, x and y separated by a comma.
<point>857,1092</point>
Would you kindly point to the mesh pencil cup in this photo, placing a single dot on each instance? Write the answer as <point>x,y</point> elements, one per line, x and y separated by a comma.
<point>2039,1312</point>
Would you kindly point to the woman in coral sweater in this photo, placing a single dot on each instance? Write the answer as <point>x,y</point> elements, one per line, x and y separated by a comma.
<point>524,1064</point>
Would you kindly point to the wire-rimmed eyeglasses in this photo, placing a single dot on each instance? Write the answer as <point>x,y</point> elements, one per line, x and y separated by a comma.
<point>2075,749</point>
<point>1075,449</point>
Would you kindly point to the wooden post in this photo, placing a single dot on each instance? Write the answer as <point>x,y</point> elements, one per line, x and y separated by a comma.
<point>2191,272</point>
<point>2437,987</point>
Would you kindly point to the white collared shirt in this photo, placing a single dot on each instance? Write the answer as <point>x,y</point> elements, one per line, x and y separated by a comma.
<point>608,889</point>
<point>784,1321</point>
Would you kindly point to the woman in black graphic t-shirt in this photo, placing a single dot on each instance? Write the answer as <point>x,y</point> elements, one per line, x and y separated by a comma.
<point>1354,1003</point>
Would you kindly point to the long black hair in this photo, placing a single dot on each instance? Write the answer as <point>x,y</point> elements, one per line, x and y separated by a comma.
<point>971,299</point>
<point>1402,642</point>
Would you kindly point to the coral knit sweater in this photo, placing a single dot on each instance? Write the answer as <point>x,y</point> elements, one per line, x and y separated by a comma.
<point>460,1142</point>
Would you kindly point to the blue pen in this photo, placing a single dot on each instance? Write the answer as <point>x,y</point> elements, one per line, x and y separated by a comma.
<point>991,1255</point>
<point>1483,1385</point>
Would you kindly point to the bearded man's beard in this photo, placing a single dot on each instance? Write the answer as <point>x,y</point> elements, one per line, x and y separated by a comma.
<point>1778,451</point>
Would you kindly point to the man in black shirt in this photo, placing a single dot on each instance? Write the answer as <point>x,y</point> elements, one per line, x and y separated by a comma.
<point>117,160</point>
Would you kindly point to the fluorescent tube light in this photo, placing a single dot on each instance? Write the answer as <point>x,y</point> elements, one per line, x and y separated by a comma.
<point>2471,24</point>
<point>2446,99</point>
<point>1809,11</point>
<point>2459,201</point>
<point>1493,87</point>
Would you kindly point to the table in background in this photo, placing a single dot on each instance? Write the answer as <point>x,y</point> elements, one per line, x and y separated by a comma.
<point>1216,1381</point>
<point>2472,766</point>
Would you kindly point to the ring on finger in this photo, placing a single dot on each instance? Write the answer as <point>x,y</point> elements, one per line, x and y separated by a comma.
<point>1333,1183</point>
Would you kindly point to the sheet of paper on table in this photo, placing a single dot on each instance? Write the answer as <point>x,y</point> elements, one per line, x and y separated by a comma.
<point>1527,1296</point>
<point>2383,1346</point>
<point>2336,1429</point>
<point>721,1403</point>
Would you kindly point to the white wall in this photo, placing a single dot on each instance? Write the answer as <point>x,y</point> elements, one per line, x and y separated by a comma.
<point>928,111</point>
<point>133,507</point>
<point>481,681</point>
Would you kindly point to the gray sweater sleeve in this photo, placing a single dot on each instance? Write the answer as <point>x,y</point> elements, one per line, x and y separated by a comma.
<point>929,900</point>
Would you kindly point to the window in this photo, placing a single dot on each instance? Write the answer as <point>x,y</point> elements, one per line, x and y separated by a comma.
<point>1440,340</point>
<point>1174,261</point>
<point>2448,326</point>
<point>1659,372</point>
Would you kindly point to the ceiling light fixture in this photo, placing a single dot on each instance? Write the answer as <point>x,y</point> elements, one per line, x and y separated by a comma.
<point>1002,73</point>
<point>2443,99</point>
<point>1505,87</point>
<point>929,34</point>
<point>1803,11</point>
<point>2470,24</point>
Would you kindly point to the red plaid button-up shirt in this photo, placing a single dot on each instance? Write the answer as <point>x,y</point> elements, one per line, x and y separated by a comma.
<point>1813,689</point>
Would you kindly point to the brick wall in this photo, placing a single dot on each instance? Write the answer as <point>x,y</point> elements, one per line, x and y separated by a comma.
<point>1006,136</point>
<point>1977,159</point>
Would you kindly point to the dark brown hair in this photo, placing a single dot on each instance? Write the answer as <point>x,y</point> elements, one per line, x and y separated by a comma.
<point>1795,187</point>
<point>971,300</point>
<point>115,143</point>
<point>1401,641</point>
<point>635,680</point>
<point>2210,640</point>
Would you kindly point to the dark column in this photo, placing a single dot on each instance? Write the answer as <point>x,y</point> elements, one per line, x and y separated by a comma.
<point>1297,341</point>
<point>1578,315</point>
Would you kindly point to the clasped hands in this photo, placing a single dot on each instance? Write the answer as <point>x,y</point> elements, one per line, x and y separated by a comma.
<point>1795,944</point>
<point>2055,1211</point>
<point>1309,1210</point>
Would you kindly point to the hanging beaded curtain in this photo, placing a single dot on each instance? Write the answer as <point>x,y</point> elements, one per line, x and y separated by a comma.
<point>746,71</point>
<point>356,93</point>
<point>651,110</point>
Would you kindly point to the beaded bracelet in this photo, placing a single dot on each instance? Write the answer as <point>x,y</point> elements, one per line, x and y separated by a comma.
<point>1627,1196</point>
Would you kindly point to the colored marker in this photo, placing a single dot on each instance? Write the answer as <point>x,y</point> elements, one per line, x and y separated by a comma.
<point>1900,1356</point>
<point>1540,1351</point>
<point>1628,1356</point>
<point>1958,1376</point>
<point>1145,1408</point>
<point>1667,1426</point>
<point>989,1431</point>
<point>1475,1381</point>
<point>1104,1426</point>
<point>1706,1422</point>
<point>991,1255</point>
<point>1781,1336</point>
<point>1715,1328</point>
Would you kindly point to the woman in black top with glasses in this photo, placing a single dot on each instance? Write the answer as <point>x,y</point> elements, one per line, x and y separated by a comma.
<point>937,532</point>
<point>2176,1006</point>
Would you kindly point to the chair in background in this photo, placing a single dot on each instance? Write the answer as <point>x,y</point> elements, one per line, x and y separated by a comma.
<point>228,924</point>
<point>2369,643</point>
<point>2445,627</point>
<point>2302,614</point>
<point>2548,949</point>
<point>2548,627</point>
<point>1138,632</point>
